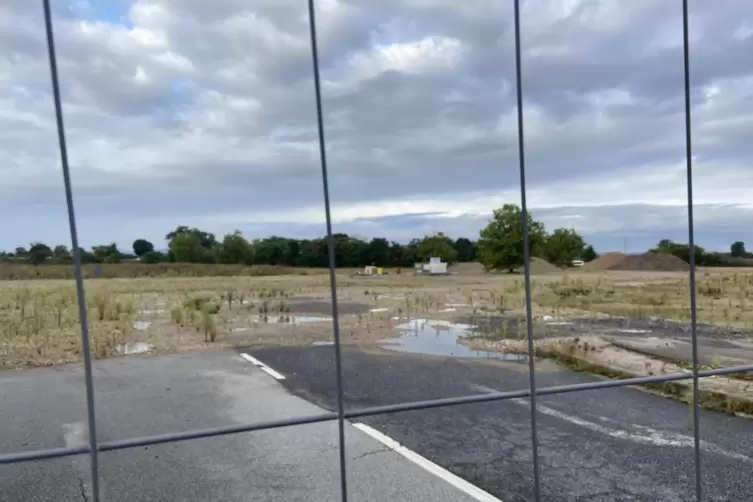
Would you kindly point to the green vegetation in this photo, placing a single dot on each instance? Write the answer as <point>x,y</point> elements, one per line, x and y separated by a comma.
<point>736,258</point>
<point>192,245</point>
<point>499,247</point>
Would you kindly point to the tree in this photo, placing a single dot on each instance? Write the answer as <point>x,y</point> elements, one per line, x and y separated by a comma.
<point>206,240</point>
<point>378,252</point>
<point>466,249</point>
<point>61,252</point>
<point>191,245</point>
<point>186,248</point>
<point>142,247</point>
<point>737,250</point>
<point>563,246</point>
<point>153,257</point>
<point>500,244</point>
<point>680,250</point>
<point>437,245</point>
<point>235,249</point>
<point>39,252</point>
<point>106,253</point>
<point>589,254</point>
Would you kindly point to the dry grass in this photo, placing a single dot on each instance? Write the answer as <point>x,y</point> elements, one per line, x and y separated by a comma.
<point>16,272</point>
<point>39,323</point>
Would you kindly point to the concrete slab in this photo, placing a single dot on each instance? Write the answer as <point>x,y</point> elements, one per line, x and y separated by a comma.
<point>710,351</point>
<point>141,395</point>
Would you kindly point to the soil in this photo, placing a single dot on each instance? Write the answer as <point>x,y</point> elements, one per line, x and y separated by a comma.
<point>541,266</point>
<point>538,266</point>
<point>651,261</point>
<point>494,327</point>
<point>468,268</point>
<point>604,262</point>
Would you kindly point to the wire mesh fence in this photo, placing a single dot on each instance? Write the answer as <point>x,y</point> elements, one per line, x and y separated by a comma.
<point>342,414</point>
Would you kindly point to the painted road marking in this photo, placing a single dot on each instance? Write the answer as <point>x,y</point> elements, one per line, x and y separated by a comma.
<point>269,371</point>
<point>251,359</point>
<point>464,486</point>
<point>266,369</point>
<point>647,435</point>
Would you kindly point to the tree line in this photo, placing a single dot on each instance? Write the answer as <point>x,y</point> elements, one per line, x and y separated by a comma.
<point>499,246</point>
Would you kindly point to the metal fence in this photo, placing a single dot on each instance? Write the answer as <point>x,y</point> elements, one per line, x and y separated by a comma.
<point>95,447</point>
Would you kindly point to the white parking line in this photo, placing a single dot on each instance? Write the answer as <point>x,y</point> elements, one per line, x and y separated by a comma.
<point>269,371</point>
<point>266,369</point>
<point>464,486</point>
<point>251,359</point>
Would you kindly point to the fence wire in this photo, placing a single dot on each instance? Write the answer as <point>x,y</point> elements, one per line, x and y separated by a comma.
<point>94,446</point>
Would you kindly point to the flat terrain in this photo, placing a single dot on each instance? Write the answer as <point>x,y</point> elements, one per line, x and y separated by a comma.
<point>167,358</point>
<point>620,444</point>
<point>142,395</point>
<point>39,323</point>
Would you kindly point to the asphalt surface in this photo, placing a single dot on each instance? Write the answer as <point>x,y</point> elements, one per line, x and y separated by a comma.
<point>620,444</point>
<point>143,395</point>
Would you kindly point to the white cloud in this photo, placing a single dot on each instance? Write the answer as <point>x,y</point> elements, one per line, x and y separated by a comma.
<point>202,113</point>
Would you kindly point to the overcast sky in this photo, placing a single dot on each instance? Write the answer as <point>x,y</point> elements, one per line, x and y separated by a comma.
<point>201,113</point>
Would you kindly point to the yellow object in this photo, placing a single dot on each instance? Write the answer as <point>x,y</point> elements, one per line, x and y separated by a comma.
<point>379,270</point>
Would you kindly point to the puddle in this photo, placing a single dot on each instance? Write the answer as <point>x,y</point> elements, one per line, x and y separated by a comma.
<point>379,310</point>
<point>134,348</point>
<point>323,343</point>
<point>439,338</point>
<point>142,325</point>
<point>455,304</point>
<point>634,330</point>
<point>447,310</point>
<point>291,319</point>
<point>157,311</point>
<point>396,296</point>
<point>559,323</point>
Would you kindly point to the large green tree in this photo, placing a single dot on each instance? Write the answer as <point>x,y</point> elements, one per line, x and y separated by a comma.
<point>142,247</point>
<point>680,250</point>
<point>185,247</point>
<point>589,254</point>
<point>437,245</point>
<point>466,249</point>
<point>500,244</point>
<point>106,253</point>
<point>563,246</point>
<point>39,252</point>
<point>378,252</point>
<point>61,252</point>
<point>737,250</point>
<point>191,245</point>
<point>236,249</point>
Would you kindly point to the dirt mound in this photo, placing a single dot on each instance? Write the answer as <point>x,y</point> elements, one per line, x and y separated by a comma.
<point>651,261</point>
<point>541,266</point>
<point>604,262</point>
<point>468,268</point>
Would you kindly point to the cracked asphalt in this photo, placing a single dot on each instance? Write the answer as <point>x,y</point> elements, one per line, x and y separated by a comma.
<point>621,444</point>
<point>143,395</point>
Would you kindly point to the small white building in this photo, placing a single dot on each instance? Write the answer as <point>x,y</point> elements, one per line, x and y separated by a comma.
<point>435,267</point>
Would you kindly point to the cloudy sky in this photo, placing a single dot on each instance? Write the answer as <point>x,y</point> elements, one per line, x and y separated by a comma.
<point>201,113</point>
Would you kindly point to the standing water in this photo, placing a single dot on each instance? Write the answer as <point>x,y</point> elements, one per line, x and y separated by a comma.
<point>439,338</point>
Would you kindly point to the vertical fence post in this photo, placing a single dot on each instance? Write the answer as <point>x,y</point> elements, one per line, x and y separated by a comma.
<point>91,417</point>
<point>691,244</point>
<point>330,251</point>
<point>526,256</point>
